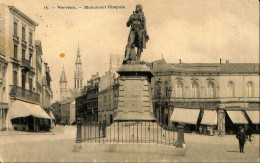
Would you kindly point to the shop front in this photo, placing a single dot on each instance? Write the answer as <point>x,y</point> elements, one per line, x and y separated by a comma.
<point>235,119</point>
<point>254,120</point>
<point>188,117</point>
<point>208,122</point>
<point>26,116</point>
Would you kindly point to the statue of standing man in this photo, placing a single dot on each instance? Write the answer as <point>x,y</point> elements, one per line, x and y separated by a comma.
<point>138,35</point>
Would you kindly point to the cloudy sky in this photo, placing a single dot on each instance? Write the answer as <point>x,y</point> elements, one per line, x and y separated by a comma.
<point>191,30</point>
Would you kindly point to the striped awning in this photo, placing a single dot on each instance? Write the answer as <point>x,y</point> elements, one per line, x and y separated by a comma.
<point>24,109</point>
<point>181,115</point>
<point>237,117</point>
<point>209,117</point>
<point>253,115</point>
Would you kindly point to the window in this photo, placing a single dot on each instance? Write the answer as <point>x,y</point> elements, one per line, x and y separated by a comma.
<point>15,51</point>
<point>4,99</point>
<point>195,89</point>
<point>211,89</point>
<point>30,37</point>
<point>30,84</point>
<point>179,89</point>
<point>158,88</point>
<point>249,89</point>
<point>166,89</point>
<point>15,78</point>
<point>23,33</point>
<point>23,53</point>
<point>231,89</point>
<point>15,28</point>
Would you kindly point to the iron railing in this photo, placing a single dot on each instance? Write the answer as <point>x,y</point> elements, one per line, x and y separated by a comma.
<point>20,93</point>
<point>128,132</point>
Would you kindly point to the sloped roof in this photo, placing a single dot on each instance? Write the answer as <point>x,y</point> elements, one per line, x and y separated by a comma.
<point>209,67</point>
<point>63,76</point>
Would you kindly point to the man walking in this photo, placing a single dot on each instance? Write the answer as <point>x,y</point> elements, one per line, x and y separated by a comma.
<point>241,136</point>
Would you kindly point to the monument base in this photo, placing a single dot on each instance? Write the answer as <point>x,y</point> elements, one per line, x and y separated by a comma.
<point>135,103</point>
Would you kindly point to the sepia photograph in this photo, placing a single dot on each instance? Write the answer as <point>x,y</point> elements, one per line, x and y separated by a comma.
<point>129,81</point>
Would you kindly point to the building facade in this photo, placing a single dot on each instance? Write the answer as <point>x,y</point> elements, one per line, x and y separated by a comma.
<point>18,72</point>
<point>107,97</point>
<point>87,103</point>
<point>217,95</point>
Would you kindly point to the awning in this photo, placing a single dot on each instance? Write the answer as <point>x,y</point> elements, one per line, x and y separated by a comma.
<point>254,116</point>
<point>24,109</point>
<point>237,117</point>
<point>189,116</point>
<point>51,115</point>
<point>209,117</point>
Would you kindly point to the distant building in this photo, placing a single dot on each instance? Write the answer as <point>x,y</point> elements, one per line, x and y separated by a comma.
<point>107,97</point>
<point>220,96</point>
<point>87,104</point>
<point>20,105</point>
<point>68,95</point>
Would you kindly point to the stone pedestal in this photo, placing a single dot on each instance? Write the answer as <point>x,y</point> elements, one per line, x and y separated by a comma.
<point>135,103</point>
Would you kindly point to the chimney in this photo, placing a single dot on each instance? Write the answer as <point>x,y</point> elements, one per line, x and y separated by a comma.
<point>220,60</point>
<point>179,60</point>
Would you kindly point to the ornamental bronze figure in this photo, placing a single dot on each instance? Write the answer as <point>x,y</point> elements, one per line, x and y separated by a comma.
<point>138,35</point>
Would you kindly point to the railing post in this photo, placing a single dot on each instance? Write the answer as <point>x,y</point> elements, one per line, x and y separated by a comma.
<point>99,129</point>
<point>165,136</point>
<point>180,136</point>
<point>137,132</point>
<point>118,130</point>
<point>145,132</point>
<point>110,132</point>
<point>149,129</point>
<point>157,133</point>
<point>79,131</point>
<point>141,132</point>
<point>85,131</point>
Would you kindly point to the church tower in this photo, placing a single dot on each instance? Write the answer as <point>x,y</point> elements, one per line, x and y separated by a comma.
<point>63,86</point>
<point>78,75</point>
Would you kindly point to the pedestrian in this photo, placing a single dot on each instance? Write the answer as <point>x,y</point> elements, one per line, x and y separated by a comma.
<point>241,136</point>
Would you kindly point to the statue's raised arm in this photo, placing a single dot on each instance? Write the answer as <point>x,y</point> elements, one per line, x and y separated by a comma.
<point>138,35</point>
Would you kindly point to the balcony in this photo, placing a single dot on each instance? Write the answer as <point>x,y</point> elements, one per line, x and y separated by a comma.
<point>31,47</point>
<point>17,92</point>
<point>26,63</point>
<point>16,39</point>
<point>24,43</point>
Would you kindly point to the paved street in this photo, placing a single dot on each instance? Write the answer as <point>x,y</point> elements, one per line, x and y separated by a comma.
<point>57,147</point>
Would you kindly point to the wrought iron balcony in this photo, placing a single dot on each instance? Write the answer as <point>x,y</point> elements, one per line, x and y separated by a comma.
<point>16,39</point>
<point>26,63</point>
<point>31,47</point>
<point>17,92</point>
<point>24,43</point>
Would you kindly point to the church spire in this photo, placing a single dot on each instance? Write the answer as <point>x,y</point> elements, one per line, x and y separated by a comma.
<point>78,77</point>
<point>63,76</point>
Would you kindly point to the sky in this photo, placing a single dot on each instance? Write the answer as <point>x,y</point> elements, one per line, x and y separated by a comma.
<point>195,31</point>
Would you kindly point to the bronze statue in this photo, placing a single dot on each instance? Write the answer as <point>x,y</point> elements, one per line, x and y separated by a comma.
<point>138,35</point>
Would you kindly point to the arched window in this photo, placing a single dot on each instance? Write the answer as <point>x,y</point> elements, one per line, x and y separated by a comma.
<point>166,88</point>
<point>231,89</point>
<point>194,89</point>
<point>211,89</point>
<point>179,89</point>
<point>249,89</point>
<point>158,88</point>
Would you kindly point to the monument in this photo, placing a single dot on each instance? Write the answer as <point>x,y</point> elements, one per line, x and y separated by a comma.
<point>134,128</point>
<point>135,76</point>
